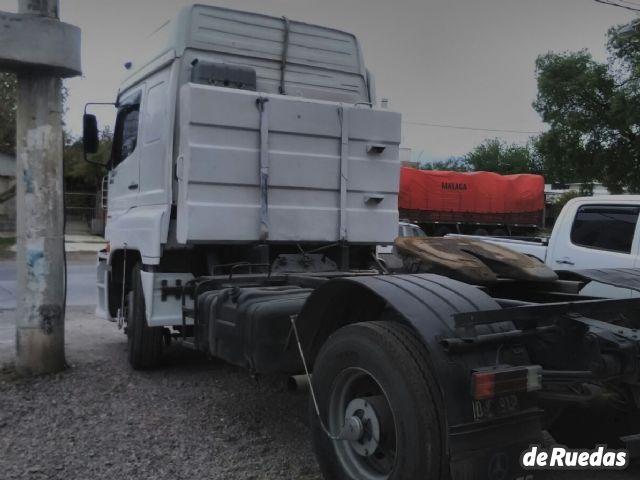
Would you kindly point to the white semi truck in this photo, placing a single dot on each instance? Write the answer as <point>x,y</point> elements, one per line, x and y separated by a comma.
<point>252,177</point>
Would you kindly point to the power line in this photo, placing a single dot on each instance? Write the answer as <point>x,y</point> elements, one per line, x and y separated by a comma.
<point>478,129</point>
<point>620,5</point>
<point>629,2</point>
<point>614,4</point>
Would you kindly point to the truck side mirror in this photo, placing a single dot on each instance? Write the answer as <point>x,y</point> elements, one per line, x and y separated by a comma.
<point>90,139</point>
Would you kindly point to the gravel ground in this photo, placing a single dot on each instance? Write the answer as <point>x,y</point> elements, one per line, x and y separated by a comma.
<point>193,419</point>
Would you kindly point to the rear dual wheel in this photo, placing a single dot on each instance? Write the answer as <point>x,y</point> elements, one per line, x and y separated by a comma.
<point>376,378</point>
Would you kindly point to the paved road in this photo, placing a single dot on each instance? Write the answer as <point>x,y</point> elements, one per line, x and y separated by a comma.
<point>81,286</point>
<point>81,292</point>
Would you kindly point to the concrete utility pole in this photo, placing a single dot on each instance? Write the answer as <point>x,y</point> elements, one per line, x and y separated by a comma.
<point>41,50</point>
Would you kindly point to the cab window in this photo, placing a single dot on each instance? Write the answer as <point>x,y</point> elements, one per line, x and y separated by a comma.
<point>605,227</point>
<point>125,138</point>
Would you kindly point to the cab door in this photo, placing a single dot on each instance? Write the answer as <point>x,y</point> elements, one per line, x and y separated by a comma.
<point>155,139</point>
<point>600,236</point>
<point>124,176</point>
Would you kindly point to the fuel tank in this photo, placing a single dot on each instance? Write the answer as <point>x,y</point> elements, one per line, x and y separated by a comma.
<point>251,326</point>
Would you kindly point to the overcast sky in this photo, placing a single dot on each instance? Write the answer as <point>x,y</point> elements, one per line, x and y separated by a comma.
<point>449,62</point>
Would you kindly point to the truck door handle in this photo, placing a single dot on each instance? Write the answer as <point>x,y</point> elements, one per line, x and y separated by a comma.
<point>133,186</point>
<point>565,261</point>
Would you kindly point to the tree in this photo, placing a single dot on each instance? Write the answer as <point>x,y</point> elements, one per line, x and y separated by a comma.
<point>593,111</point>
<point>81,175</point>
<point>8,84</point>
<point>494,155</point>
<point>455,164</point>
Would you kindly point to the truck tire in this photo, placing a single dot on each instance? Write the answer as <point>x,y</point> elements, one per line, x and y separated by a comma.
<point>144,342</point>
<point>378,371</point>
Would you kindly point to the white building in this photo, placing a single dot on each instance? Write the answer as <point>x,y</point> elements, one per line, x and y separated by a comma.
<point>551,194</point>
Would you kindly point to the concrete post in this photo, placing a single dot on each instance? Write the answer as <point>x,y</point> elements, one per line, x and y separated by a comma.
<point>40,216</point>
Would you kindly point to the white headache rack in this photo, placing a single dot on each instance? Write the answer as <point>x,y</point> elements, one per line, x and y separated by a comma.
<point>255,166</point>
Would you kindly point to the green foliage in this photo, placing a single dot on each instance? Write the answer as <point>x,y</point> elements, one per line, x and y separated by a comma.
<point>81,175</point>
<point>493,155</point>
<point>593,110</point>
<point>455,164</point>
<point>8,113</point>
<point>564,198</point>
<point>556,207</point>
<point>497,156</point>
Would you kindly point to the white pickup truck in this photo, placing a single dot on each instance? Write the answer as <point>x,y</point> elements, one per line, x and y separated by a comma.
<point>590,232</point>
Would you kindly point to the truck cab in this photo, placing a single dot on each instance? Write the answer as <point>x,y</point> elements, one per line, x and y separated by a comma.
<point>240,138</point>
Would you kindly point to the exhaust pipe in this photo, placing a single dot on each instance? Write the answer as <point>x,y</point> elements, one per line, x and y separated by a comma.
<point>298,383</point>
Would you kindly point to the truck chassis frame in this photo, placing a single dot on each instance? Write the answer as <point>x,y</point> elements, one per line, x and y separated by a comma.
<point>586,350</point>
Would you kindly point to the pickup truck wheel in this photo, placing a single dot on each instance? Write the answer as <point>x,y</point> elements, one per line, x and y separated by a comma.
<point>144,342</point>
<point>375,376</point>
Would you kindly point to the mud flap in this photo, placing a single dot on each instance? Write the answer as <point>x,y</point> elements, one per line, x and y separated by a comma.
<point>102,286</point>
<point>492,450</point>
<point>163,297</point>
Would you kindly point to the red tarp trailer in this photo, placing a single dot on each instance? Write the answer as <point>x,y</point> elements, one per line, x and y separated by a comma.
<point>475,197</point>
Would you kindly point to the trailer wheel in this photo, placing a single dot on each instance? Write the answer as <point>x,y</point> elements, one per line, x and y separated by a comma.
<point>376,375</point>
<point>144,342</point>
<point>481,232</point>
